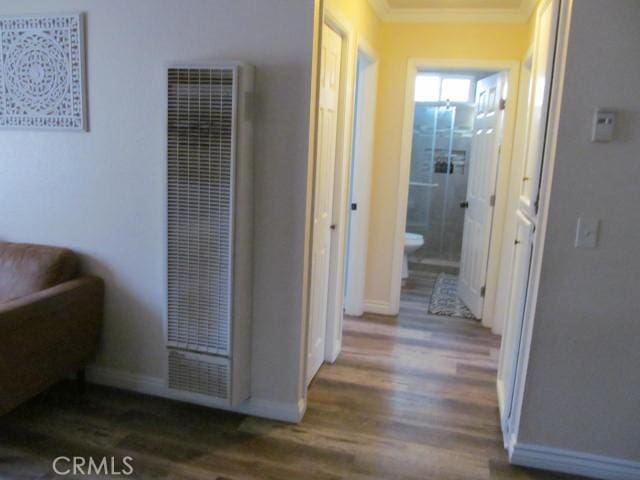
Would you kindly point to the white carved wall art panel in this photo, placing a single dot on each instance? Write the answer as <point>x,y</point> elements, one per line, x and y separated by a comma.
<point>42,72</point>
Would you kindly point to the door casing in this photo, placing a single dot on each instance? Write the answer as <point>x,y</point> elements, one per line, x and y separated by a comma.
<point>508,233</point>
<point>512,425</point>
<point>335,301</point>
<point>360,182</point>
<point>323,191</point>
<point>512,69</point>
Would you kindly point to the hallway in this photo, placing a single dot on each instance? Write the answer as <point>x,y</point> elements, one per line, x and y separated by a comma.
<point>409,398</point>
<point>414,396</point>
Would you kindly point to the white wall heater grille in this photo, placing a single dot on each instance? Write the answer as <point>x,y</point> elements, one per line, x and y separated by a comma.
<point>209,222</point>
<point>198,374</point>
<point>200,138</point>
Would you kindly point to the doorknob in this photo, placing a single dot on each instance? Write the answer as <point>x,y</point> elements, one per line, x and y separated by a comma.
<point>464,204</point>
<point>333,226</point>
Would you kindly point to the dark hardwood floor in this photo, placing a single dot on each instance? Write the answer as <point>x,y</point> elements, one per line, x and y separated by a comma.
<point>409,398</point>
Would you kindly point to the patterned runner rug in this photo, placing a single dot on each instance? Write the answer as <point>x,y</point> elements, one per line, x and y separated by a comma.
<point>444,298</point>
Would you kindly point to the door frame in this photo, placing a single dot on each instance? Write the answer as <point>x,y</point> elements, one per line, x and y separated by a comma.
<point>414,65</point>
<point>320,278</point>
<point>363,122</point>
<point>519,148</point>
<point>333,337</point>
<point>511,433</point>
<point>335,303</point>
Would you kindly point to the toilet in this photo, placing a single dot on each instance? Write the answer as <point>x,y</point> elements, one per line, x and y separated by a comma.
<point>412,242</point>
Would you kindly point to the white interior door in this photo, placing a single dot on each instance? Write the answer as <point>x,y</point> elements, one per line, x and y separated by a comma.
<point>540,93</point>
<point>360,191</point>
<point>483,168</point>
<point>516,272</point>
<point>517,161</point>
<point>520,261</point>
<point>330,59</point>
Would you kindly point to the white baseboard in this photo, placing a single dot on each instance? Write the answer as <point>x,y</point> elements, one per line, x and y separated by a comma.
<point>501,406</point>
<point>378,307</point>
<point>354,312</point>
<point>576,463</point>
<point>284,411</point>
<point>332,355</point>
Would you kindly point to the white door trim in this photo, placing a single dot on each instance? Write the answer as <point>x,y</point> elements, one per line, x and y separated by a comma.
<point>520,135</point>
<point>512,68</point>
<point>327,159</point>
<point>360,178</point>
<point>335,300</point>
<point>549,159</point>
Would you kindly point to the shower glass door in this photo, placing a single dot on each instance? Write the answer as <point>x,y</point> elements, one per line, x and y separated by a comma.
<point>438,180</point>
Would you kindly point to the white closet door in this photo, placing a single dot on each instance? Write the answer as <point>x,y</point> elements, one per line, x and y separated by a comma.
<point>521,261</point>
<point>483,168</point>
<point>542,70</point>
<point>323,195</point>
<point>538,110</point>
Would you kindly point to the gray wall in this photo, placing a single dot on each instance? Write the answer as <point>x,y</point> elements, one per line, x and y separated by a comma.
<point>583,386</point>
<point>102,193</point>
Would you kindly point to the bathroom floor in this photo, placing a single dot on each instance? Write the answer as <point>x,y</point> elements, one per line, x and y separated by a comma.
<point>422,278</point>
<point>437,285</point>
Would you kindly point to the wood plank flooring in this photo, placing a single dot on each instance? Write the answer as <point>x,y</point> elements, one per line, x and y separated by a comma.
<point>410,398</point>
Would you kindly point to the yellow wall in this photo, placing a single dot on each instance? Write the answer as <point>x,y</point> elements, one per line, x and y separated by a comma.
<point>360,17</point>
<point>394,44</point>
<point>398,43</point>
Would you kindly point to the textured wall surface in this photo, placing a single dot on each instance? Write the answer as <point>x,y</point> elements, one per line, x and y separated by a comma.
<point>582,391</point>
<point>102,193</point>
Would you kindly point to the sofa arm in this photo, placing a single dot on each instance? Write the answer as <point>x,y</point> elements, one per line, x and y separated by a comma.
<point>47,335</point>
<point>78,298</point>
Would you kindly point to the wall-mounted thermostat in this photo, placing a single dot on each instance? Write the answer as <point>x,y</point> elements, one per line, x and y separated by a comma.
<point>604,123</point>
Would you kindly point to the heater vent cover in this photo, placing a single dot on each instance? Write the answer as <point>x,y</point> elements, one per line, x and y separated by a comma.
<point>201,129</point>
<point>210,231</point>
<point>199,373</point>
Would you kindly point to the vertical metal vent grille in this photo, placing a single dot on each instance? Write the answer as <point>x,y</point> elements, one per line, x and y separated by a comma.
<point>198,374</point>
<point>201,122</point>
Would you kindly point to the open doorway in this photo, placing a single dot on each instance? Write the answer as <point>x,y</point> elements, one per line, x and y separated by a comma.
<point>457,133</point>
<point>360,181</point>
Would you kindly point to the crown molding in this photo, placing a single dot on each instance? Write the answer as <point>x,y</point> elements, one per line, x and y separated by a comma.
<point>453,15</point>
<point>527,8</point>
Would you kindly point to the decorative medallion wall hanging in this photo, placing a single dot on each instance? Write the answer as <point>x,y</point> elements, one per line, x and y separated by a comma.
<point>42,79</point>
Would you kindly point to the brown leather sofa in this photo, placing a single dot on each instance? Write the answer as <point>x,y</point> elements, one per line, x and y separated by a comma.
<point>50,319</point>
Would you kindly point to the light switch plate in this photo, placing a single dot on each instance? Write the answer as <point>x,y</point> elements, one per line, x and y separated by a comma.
<point>604,124</point>
<point>587,232</point>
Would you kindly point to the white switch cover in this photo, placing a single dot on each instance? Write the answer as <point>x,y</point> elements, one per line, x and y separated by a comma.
<point>604,124</point>
<point>587,232</point>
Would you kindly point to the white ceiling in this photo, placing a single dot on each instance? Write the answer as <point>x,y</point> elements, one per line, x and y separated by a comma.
<point>512,11</point>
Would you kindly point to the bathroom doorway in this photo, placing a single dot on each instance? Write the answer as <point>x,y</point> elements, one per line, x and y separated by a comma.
<point>456,138</point>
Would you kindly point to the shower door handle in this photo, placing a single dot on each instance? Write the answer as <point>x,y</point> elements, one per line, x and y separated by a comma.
<point>464,204</point>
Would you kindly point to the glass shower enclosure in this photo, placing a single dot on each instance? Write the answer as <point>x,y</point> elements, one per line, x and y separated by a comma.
<point>442,134</point>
